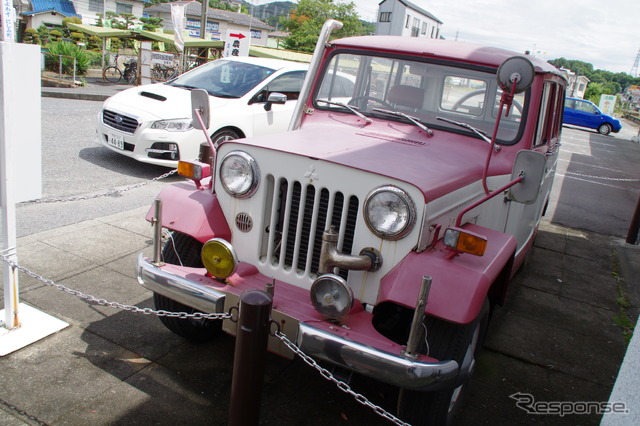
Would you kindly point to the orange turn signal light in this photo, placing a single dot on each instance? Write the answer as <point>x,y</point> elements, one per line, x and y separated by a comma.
<point>194,170</point>
<point>465,241</point>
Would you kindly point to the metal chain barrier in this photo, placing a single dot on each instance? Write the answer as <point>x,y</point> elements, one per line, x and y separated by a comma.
<point>104,302</point>
<point>339,383</point>
<point>599,177</point>
<point>102,194</point>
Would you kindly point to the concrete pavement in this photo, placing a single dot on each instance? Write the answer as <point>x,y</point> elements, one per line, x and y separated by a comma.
<point>559,338</point>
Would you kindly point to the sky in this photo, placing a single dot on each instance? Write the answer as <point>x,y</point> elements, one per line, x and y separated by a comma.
<point>605,33</point>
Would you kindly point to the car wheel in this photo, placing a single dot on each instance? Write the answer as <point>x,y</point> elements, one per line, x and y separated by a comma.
<point>223,136</point>
<point>446,341</point>
<point>182,249</point>
<point>604,129</point>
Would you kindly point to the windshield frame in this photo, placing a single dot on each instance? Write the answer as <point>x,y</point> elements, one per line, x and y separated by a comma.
<point>486,72</point>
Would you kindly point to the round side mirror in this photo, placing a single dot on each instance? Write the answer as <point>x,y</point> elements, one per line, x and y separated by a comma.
<point>516,68</point>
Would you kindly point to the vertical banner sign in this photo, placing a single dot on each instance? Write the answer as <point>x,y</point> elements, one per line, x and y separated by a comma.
<point>177,17</point>
<point>607,103</point>
<point>8,21</point>
<point>236,43</point>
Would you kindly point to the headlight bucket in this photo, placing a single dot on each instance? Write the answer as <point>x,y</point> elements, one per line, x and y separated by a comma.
<point>331,296</point>
<point>389,212</point>
<point>239,174</point>
<point>219,258</point>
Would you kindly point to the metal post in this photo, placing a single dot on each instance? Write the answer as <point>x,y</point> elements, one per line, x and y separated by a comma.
<point>250,358</point>
<point>632,234</point>
<point>418,317</point>
<point>157,231</point>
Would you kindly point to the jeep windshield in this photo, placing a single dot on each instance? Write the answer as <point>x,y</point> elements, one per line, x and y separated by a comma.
<point>422,90</point>
<point>223,78</point>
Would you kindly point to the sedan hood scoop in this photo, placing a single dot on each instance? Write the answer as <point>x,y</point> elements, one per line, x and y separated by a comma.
<point>153,96</point>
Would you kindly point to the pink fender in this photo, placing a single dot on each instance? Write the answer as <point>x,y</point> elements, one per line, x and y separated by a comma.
<point>459,285</point>
<point>193,212</point>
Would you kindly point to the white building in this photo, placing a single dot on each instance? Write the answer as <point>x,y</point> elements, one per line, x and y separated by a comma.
<point>219,22</point>
<point>403,18</point>
<point>34,13</point>
<point>576,84</point>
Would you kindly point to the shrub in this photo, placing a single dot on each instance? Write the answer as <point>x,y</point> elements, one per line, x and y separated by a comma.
<point>55,35</point>
<point>68,52</point>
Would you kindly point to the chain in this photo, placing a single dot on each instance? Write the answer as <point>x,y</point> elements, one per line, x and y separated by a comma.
<point>101,194</point>
<point>340,384</point>
<point>599,177</point>
<point>22,413</point>
<point>104,302</point>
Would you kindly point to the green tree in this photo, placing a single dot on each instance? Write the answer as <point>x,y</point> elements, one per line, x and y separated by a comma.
<point>305,22</point>
<point>151,23</point>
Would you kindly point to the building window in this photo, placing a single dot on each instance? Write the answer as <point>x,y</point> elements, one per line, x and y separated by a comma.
<point>424,28</point>
<point>406,24</point>
<point>385,17</point>
<point>96,5</point>
<point>415,28</point>
<point>124,8</point>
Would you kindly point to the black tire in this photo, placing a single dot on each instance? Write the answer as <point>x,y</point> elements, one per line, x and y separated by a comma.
<point>182,249</point>
<point>223,136</point>
<point>112,74</point>
<point>447,341</point>
<point>604,129</point>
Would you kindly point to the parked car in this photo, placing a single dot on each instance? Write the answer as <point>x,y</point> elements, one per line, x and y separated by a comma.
<point>583,113</point>
<point>386,224</point>
<point>152,123</point>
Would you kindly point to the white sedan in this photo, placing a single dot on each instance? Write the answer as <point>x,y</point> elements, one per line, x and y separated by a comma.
<point>153,123</point>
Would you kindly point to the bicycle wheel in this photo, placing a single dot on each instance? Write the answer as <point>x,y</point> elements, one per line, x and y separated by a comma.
<point>112,74</point>
<point>131,76</point>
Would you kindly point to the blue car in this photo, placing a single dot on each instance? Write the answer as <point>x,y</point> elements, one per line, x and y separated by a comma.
<point>580,112</point>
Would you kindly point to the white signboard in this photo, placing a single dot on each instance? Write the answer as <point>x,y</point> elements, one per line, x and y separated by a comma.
<point>607,104</point>
<point>8,21</point>
<point>237,43</point>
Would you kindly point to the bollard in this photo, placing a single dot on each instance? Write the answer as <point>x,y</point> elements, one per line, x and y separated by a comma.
<point>250,358</point>
<point>632,234</point>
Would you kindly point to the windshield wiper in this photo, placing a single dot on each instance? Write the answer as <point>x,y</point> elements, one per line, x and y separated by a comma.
<point>414,120</point>
<point>483,135</point>
<point>349,107</point>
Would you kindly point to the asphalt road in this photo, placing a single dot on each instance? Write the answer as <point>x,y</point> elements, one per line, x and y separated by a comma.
<point>73,164</point>
<point>597,181</point>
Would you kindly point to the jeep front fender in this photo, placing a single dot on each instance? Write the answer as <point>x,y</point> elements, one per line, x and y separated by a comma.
<point>459,285</point>
<point>193,212</point>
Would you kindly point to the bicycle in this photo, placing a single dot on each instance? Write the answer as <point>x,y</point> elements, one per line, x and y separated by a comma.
<point>113,74</point>
<point>161,72</point>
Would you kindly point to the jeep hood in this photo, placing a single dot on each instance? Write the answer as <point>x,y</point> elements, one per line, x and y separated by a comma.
<point>436,165</point>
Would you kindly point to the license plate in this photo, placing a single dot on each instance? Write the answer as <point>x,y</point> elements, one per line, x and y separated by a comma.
<point>115,140</point>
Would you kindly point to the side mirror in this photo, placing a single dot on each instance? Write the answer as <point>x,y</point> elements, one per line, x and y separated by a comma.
<point>515,69</point>
<point>275,98</point>
<point>200,102</point>
<point>531,165</point>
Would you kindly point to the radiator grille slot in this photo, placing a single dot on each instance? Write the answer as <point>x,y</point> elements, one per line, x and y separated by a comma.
<point>298,214</point>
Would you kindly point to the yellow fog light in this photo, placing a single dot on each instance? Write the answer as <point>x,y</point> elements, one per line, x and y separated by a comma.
<point>465,241</point>
<point>219,257</point>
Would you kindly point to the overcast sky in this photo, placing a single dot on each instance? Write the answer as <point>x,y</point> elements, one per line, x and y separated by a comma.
<point>605,33</point>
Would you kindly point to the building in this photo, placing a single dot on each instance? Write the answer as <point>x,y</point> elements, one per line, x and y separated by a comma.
<point>576,84</point>
<point>219,22</point>
<point>403,18</point>
<point>34,13</point>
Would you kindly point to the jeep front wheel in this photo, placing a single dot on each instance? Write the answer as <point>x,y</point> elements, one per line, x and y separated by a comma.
<point>446,341</point>
<point>182,249</point>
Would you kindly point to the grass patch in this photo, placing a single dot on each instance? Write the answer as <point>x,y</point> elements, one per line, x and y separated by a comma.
<point>622,319</point>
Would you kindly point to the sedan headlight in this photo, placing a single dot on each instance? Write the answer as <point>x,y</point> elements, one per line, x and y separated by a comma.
<point>389,212</point>
<point>239,174</point>
<point>176,125</point>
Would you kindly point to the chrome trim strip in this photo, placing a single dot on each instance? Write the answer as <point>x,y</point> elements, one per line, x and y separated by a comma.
<point>181,290</point>
<point>383,366</point>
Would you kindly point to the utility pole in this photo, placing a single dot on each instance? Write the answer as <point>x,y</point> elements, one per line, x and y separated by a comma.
<point>203,19</point>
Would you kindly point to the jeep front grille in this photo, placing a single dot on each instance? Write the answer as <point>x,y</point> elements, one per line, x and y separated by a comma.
<point>119,121</point>
<point>297,214</point>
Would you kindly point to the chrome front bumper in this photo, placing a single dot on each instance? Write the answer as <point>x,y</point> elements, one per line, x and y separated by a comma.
<point>313,341</point>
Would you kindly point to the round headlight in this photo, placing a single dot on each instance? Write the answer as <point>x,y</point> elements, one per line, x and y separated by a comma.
<point>219,258</point>
<point>239,174</point>
<point>389,212</point>
<point>331,296</point>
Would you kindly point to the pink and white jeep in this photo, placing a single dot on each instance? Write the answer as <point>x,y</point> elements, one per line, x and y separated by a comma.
<point>390,218</point>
